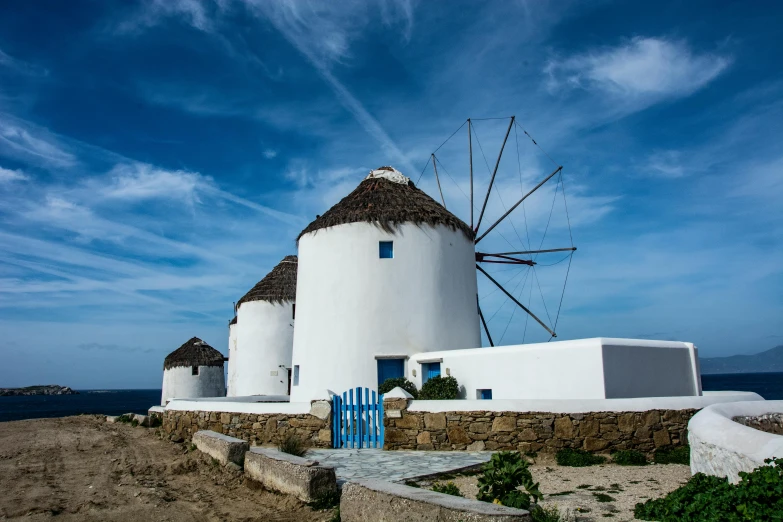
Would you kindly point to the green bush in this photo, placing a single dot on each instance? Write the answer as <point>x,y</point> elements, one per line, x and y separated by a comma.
<point>293,445</point>
<point>629,458</point>
<point>545,514</point>
<point>449,488</point>
<point>577,458</point>
<point>678,455</point>
<point>389,384</point>
<point>758,496</point>
<point>439,389</point>
<point>326,501</point>
<point>503,474</point>
<point>125,418</point>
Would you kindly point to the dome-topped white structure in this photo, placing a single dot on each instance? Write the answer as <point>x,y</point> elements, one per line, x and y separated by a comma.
<point>262,339</point>
<point>384,274</point>
<point>193,370</point>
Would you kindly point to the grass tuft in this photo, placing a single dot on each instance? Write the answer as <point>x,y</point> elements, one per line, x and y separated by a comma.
<point>293,445</point>
<point>577,458</point>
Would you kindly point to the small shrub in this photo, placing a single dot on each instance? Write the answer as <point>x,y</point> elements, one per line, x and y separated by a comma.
<point>336,515</point>
<point>503,474</point>
<point>577,458</point>
<point>293,445</point>
<point>757,496</point>
<point>155,421</point>
<point>545,514</point>
<point>630,458</point>
<point>412,484</point>
<point>439,389</point>
<point>124,418</point>
<point>134,423</point>
<point>389,384</point>
<point>326,501</point>
<point>449,488</point>
<point>192,447</point>
<point>678,455</point>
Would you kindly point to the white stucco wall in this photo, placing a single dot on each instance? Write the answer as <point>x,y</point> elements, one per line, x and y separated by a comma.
<point>353,306</point>
<point>179,382</point>
<point>232,365</point>
<point>722,447</point>
<point>598,368</point>
<point>262,352</point>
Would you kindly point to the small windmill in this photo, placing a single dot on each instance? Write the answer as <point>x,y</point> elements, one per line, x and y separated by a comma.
<point>526,257</point>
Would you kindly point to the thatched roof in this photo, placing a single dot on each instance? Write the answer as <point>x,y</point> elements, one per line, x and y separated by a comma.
<point>195,352</point>
<point>278,286</point>
<point>387,199</point>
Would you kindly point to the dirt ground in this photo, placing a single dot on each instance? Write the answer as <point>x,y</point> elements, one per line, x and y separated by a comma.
<point>82,468</point>
<point>595,492</point>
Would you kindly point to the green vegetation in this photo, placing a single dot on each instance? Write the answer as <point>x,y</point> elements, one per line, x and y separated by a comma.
<point>389,384</point>
<point>758,496</point>
<point>449,488</point>
<point>503,474</point>
<point>439,389</point>
<point>326,501</point>
<point>125,418</point>
<point>412,484</point>
<point>545,514</point>
<point>293,445</point>
<point>577,458</point>
<point>629,458</point>
<point>679,455</point>
<point>603,497</point>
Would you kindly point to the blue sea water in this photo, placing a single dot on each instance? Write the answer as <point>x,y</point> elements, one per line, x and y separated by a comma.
<point>108,402</point>
<point>117,402</point>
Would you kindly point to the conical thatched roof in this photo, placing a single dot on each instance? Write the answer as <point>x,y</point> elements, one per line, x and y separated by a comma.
<point>195,352</point>
<point>278,286</point>
<point>387,199</point>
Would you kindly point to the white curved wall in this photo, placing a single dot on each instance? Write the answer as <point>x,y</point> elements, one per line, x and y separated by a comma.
<point>722,447</point>
<point>262,353</point>
<point>232,365</point>
<point>353,306</point>
<point>180,383</point>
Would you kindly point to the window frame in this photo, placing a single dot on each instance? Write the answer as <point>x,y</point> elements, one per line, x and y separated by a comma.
<point>389,249</point>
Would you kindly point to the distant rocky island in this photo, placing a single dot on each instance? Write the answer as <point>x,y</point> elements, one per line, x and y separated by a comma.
<point>49,389</point>
<point>768,361</point>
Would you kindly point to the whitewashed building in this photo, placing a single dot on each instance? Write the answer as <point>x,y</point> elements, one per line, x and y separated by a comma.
<point>193,370</point>
<point>261,338</point>
<point>384,274</point>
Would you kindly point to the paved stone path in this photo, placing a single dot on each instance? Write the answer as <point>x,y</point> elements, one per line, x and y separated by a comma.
<point>394,465</point>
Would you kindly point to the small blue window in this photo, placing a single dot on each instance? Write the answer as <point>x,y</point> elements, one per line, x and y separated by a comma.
<point>390,369</point>
<point>429,370</point>
<point>485,395</point>
<point>386,249</point>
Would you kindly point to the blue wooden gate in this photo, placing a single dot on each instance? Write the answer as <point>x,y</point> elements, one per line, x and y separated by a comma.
<point>357,419</point>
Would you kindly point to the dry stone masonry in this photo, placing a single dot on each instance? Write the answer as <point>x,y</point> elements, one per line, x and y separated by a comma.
<point>769,422</point>
<point>532,431</point>
<point>257,429</point>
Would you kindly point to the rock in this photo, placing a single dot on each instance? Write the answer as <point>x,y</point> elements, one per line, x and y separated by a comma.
<point>564,428</point>
<point>423,438</point>
<point>321,409</point>
<point>528,434</point>
<point>661,438</point>
<point>111,419</point>
<point>476,446</point>
<point>651,418</point>
<point>176,437</point>
<point>588,428</point>
<point>458,435</point>
<point>435,421</point>
<point>504,424</point>
<point>593,444</point>
<point>626,422</point>
<point>479,427</point>
<point>408,422</point>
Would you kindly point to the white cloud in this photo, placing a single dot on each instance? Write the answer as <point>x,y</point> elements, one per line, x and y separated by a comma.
<point>665,164</point>
<point>24,141</point>
<point>652,67</point>
<point>7,175</point>
<point>193,12</point>
<point>139,181</point>
<point>269,153</point>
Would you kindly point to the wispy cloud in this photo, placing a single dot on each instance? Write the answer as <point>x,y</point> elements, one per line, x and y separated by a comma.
<point>643,66</point>
<point>7,175</point>
<point>139,181</point>
<point>269,153</point>
<point>22,140</point>
<point>20,66</point>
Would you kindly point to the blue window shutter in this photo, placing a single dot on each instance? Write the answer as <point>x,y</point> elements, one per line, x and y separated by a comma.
<point>386,249</point>
<point>486,395</point>
<point>390,369</point>
<point>429,370</point>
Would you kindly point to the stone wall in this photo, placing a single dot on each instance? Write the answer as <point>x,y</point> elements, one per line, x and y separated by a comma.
<point>769,422</point>
<point>532,431</point>
<point>257,429</point>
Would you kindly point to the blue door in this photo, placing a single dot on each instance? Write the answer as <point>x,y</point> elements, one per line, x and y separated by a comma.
<point>429,370</point>
<point>390,369</point>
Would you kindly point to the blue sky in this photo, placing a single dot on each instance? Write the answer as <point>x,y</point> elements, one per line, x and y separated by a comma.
<point>159,158</point>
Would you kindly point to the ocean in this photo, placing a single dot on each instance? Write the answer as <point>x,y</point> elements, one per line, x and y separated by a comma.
<point>107,402</point>
<point>117,402</point>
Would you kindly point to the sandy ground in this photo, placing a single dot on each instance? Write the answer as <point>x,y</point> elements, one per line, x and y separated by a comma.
<point>81,468</point>
<point>577,492</point>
